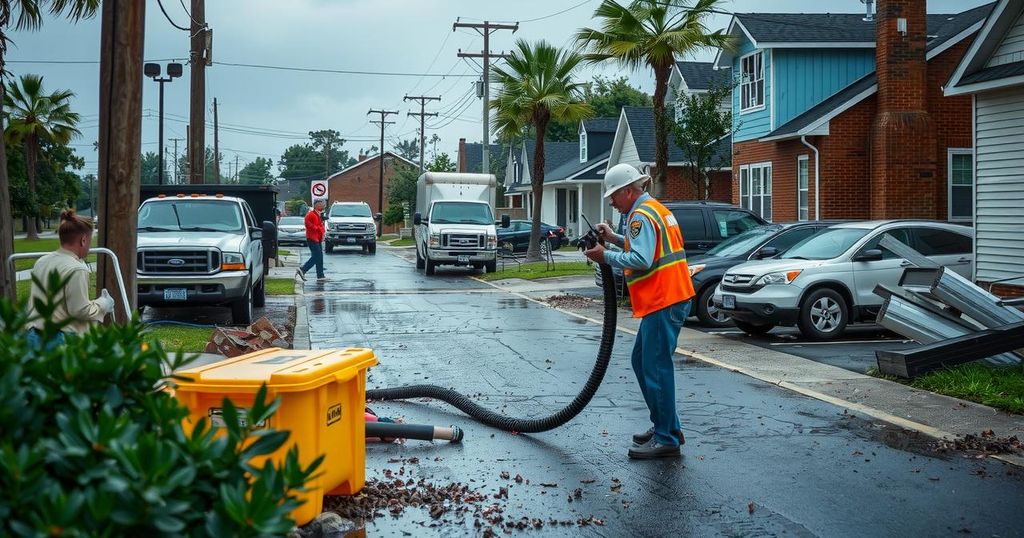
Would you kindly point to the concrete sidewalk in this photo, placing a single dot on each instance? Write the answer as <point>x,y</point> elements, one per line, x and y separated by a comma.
<point>932,414</point>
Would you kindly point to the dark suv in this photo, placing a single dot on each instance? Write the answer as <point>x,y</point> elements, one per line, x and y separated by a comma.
<point>704,225</point>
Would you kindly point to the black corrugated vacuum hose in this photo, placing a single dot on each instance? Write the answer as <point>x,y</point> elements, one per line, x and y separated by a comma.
<point>520,425</point>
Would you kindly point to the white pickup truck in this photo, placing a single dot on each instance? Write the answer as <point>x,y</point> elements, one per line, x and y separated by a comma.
<point>454,221</point>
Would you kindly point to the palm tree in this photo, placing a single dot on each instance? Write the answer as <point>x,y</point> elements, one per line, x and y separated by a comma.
<point>651,33</point>
<point>536,88</point>
<point>35,117</point>
<point>29,17</point>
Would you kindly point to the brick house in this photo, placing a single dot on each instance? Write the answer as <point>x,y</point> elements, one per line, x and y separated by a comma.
<point>360,183</point>
<point>841,116</point>
<point>992,74</point>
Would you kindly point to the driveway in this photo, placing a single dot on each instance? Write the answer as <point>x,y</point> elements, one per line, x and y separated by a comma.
<point>758,459</point>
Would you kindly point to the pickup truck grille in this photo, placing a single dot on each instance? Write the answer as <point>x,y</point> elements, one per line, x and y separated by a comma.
<point>178,262</point>
<point>345,227</point>
<point>463,240</point>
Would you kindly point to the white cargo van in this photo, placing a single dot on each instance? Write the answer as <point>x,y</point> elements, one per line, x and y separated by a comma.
<point>454,221</point>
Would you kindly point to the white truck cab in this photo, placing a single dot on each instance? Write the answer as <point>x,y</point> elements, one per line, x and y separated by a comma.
<point>454,221</point>
<point>350,224</point>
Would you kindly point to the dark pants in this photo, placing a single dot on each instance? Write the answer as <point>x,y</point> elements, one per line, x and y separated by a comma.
<point>316,257</point>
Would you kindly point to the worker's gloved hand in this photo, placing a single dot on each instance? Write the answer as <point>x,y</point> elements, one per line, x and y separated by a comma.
<point>106,302</point>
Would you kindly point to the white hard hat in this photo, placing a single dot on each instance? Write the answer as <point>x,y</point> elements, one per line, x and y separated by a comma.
<point>621,175</point>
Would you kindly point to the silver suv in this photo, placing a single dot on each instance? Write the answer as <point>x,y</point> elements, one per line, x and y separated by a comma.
<point>827,281</point>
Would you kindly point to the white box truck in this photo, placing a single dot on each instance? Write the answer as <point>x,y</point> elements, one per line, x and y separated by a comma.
<point>454,221</point>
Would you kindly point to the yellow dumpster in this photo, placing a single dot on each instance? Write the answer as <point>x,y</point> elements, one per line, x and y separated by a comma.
<point>323,396</point>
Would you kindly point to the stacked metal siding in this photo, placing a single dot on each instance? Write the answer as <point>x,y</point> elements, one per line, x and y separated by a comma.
<point>999,244</point>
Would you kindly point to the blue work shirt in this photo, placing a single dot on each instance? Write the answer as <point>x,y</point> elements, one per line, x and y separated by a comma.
<point>641,241</point>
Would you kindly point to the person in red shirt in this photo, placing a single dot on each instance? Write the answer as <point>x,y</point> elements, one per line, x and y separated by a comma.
<point>314,239</point>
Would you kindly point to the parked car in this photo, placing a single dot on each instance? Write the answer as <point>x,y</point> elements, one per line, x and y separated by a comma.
<point>704,225</point>
<point>827,281</point>
<point>291,230</point>
<point>202,250</point>
<point>517,236</point>
<point>350,224</point>
<point>757,243</point>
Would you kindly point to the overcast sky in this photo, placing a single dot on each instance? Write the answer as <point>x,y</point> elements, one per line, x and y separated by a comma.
<point>404,36</point>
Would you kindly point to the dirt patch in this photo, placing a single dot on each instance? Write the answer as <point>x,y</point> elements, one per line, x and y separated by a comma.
<point>984,444</point>
<point>570,302</point>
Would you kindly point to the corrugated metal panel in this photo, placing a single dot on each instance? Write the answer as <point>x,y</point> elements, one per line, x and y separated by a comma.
<point>1012,48</point>
<point>999,243</point>
<point>755,124</point>
<point>806,77</point>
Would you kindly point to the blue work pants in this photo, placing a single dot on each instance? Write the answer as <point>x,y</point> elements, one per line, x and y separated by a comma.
<point>316,257</point>
<point>652,363</point>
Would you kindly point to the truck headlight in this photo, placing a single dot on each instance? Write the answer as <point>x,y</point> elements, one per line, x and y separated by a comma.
<point>492,241</point>
<point>435,240</point>
<point>232,261</point>
<point>784,277</point>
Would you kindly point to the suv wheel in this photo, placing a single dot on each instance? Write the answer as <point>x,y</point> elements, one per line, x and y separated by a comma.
<point>429,265</point>
<point>823,315</point>
<point>259,295</point>
<point>756,329</point>
<point>372,248</point>
<point>328,247</point>
<point>708,314</point>
<point>241,309</point>
<point>419,259</point>
<point>491,266</point>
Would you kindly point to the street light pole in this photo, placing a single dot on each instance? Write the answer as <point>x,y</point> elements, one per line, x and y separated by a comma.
<point>174,71</point>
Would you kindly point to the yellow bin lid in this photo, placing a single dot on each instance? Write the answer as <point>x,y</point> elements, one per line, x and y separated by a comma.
<point>283,370</point>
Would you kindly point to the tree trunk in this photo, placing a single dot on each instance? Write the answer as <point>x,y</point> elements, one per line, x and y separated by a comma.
<point>661,75</point>
<point>7,278</point>
<point>537,184</point>
<point>31,158</point>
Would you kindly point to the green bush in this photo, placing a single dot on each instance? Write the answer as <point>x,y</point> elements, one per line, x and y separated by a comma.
<point>93,445</point>
<point>394,214</point>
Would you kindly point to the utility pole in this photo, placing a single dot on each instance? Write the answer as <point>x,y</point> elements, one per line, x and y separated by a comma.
<point>199,59</point>
<point>422,114</point>
<point>176,140</point>
<point>216,144</point>
<point>237,174</point>
<point>380,187</point>
<point>485,29</point>
<point>120,139</point>
<point>327,158</point>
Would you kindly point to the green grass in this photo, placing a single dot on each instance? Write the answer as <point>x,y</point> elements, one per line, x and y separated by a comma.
<point>283,252</point>
<point>47,244</point>
<point>24,287</point>
<point>407,242</point>
<point>1001,387</point>
<point>176,338</point>
<point>535,270</point>
<point>385,237</point>
<point>280,286</point>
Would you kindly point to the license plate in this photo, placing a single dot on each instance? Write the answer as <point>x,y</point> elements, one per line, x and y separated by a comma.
<point>350,240</point>
<point>463,259</point>
<point>175,294</point>
<point>728,301</point>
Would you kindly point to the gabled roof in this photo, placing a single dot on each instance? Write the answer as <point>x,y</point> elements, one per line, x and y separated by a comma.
<point>835,30</point>
<point>950,31</point>
<point>641,125</point>
<point>700,76</point>
<point>592,169</point>
<point>601,125</point>
<point>972,75</point>
<point>556,154</point>
<point>371,158</point>
<point>475,156</point>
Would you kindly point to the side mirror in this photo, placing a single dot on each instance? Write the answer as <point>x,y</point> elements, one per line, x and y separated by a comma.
<point>506,221</point>
<point>767,252</point>
<point>417,219</point>
<point>870,255</point>
<point>378,216</point>
<point>256,233</point>
<point>269,239</point>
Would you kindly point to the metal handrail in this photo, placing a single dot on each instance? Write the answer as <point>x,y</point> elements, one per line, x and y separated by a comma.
<point>98,250</point>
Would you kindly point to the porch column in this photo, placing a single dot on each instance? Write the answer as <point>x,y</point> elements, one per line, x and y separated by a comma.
<point>579,210</point>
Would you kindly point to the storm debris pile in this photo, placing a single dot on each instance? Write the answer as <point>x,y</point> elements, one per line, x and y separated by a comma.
<point>570,301</point>
<point>986,443</point>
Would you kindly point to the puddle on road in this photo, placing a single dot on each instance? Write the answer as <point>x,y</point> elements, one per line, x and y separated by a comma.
<point>352,284</point>
<point>512,302</point>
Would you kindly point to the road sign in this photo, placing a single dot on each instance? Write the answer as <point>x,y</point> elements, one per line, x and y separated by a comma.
<point>318,190</point>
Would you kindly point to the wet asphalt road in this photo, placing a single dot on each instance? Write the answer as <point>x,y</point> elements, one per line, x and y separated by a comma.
<point>758,460</point>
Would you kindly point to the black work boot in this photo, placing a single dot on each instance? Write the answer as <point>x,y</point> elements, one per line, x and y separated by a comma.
<point>653,449</point>
<point>641,438</point>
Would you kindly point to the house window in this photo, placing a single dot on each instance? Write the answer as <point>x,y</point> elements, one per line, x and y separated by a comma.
<point>801,187</point>
<point>961,184</point>
<point>583,146</point>
<point>756,189</point>
<point>752,81</point>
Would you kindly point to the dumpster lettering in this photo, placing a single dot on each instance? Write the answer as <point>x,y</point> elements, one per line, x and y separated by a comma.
<point>333,414</point>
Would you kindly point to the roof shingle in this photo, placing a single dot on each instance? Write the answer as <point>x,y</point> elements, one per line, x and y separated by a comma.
<point>703,75</point>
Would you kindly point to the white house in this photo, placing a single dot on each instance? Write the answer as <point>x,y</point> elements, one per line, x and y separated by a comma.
<point>992,71</point>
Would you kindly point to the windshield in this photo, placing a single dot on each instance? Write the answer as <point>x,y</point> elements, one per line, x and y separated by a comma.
<point>191,216</point>
<point>826,245</point>
<point>461,213</point>
<point>349,210</point>
<point>742,243</point>
<point>292,221</point>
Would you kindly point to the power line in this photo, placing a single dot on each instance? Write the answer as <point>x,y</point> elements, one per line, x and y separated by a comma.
<point>556,13</point>
<point>168,17</point>
<point>336,71</point>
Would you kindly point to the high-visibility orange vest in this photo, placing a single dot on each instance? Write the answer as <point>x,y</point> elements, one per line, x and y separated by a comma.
<point>667,282</point>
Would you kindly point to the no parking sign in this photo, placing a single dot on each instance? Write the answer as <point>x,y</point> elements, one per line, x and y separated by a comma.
<point>318,190</point>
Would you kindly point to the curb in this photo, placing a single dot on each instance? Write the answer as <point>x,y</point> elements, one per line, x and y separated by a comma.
<point>300,340</point>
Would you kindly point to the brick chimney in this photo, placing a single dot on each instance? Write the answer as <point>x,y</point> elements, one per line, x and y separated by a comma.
<point>462,155</point>
<point>903,138</point>
<point>361,158</point>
